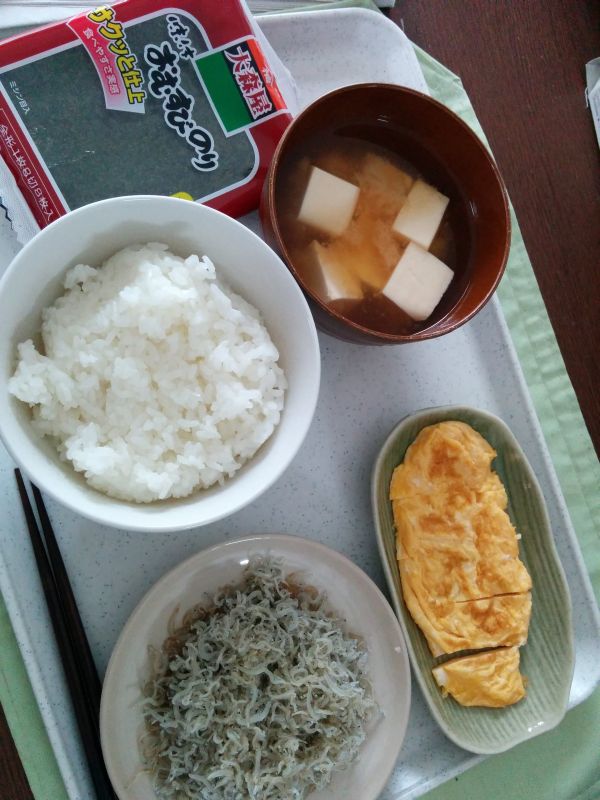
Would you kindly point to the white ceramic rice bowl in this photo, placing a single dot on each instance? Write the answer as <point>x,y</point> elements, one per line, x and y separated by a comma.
<point>90,235</point>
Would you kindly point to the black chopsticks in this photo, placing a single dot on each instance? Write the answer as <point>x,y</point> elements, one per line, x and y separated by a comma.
<point>80,670</point>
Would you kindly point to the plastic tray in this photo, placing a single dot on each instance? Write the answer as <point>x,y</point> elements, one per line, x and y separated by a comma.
<point>325,494</point>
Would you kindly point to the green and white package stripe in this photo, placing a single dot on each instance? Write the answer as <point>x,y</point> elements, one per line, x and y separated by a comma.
<point>528,772</point>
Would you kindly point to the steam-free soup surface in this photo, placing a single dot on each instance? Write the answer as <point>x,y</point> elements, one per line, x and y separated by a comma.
<point>368,248</point>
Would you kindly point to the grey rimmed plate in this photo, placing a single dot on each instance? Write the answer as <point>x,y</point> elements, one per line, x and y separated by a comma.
<point>548,657</point>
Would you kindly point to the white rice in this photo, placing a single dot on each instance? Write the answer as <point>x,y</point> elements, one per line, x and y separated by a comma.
<point>156,380</point>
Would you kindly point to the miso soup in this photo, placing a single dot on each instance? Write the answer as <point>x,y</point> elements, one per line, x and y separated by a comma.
<point>348,271</point>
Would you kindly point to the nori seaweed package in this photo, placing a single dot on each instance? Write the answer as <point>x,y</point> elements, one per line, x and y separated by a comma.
<point>140,97</point>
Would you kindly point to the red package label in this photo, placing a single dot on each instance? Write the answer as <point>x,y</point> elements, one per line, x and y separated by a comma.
<point>205,111</point>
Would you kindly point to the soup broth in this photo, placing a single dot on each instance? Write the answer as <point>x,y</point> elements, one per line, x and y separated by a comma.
<point>368,158</point>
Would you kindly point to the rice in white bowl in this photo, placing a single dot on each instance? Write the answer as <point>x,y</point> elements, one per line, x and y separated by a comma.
<point>155,379</point>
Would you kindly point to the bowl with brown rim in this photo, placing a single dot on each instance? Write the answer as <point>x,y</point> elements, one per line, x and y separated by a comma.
<point>446,153</point>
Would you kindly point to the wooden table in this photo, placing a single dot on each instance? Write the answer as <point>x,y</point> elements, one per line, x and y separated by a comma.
<point>522,64</point>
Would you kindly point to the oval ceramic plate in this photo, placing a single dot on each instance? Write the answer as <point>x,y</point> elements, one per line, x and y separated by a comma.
<point>351,594</point>
<point>548,657</point>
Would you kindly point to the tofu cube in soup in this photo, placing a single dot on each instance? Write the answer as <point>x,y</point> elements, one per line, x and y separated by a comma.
<point>418,282</point>
<point>338,282</point>
<point>328,203</point>
<point>421,215</point>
